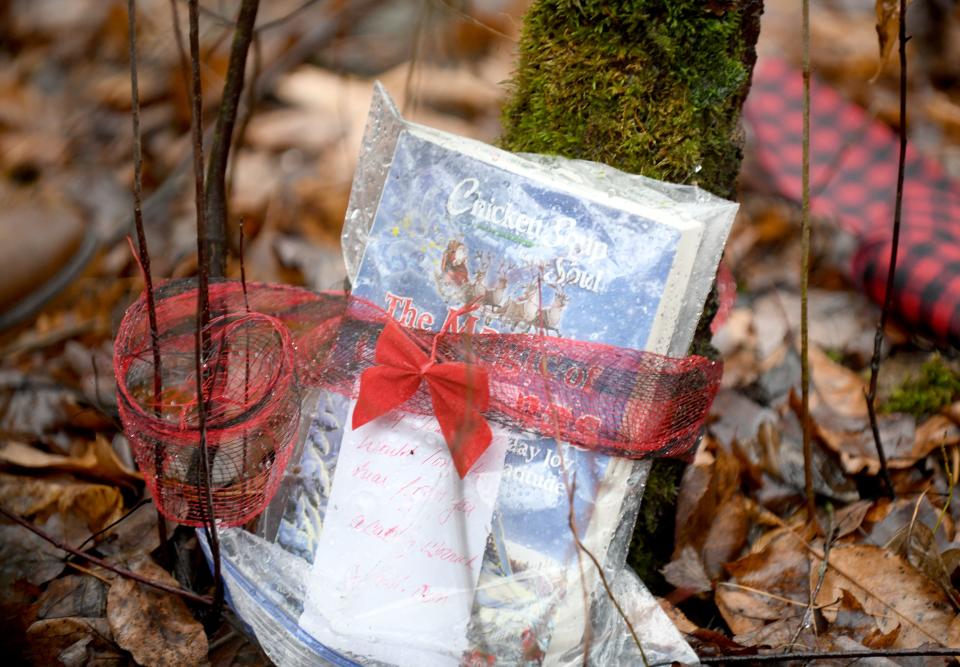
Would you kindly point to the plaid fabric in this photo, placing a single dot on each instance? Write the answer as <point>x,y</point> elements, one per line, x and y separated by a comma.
<point>853,176</point>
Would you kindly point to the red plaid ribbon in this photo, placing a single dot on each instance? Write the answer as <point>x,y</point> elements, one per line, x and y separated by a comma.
<point>853,174</point>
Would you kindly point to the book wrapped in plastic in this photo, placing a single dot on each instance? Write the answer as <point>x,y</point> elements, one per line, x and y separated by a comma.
<point>477,412</point>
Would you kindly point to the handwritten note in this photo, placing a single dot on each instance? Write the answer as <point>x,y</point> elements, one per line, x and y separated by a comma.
<point>399,556</point>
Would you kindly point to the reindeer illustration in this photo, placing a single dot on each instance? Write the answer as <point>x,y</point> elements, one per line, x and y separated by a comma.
<point>521,312</point>
<point>477,288</point>
<point>492,302</point>
<point>550,316</point>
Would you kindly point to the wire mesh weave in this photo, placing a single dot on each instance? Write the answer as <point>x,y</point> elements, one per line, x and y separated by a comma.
<point>268,343</point>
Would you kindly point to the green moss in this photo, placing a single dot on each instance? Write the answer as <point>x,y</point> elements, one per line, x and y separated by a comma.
<point>652,542</point>
<point>936,386</point>
<point>649,87</point>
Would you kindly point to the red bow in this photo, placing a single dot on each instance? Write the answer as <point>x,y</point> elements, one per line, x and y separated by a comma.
<point>459,393</point>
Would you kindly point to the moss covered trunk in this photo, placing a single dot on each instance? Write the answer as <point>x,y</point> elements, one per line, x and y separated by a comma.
<point>650,87</point>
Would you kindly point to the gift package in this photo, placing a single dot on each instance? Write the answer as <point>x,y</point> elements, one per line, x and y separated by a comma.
<point>477,413</point>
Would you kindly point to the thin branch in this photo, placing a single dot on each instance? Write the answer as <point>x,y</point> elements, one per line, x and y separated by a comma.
<point>203,303</point>
<point>805,275</point>
<point>247,110</point>
<point>894,247</point>
<point>821,576</point>
<point>39,532</point>
<point>144,253</point>
<point>215,202</point>
<point>114,524</point>
<point>823,655</point>
<point>606,586</point>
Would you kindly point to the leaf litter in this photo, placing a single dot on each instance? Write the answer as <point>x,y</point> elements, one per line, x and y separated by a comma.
<point>745,561</point>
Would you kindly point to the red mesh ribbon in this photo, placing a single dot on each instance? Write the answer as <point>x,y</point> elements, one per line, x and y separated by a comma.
<point>613,400</point>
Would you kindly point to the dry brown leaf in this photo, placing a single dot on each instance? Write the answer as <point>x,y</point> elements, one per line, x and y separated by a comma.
<point>935,431</point>
<point>73,642</point>
<point>97,459</point>
<point>893,594</point>
<point>24,555</point>
<point>156,627</point>
<point>684,624</point>
<point>852,439</point>
<point>888,25</point>
<point>136,534</point>
<point>769,584</point>
<point>837,386</point>
<point>687,573</point>
<point>727,535</point>
<point>888,519</point>
<point>82,508</point>
<point>850,517</point>
<point>232,649</point>
<point>74,595</point>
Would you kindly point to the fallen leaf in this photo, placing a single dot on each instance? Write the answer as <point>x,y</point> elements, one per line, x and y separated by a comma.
<point>782,457</point>
<point>837,386</point>
<point>769,587</point>
<point>97,459</point>
<point>81,508</point>
<point>852,438</point>
<point>915,543</point>
<point>893,593</point>
<point>888,27</point>
<point>711,516</point>
<point>26,556</point>
<point>32,406</point>
<point>156,627</point>
<point>684,624</point>
<point>74,595</point>
<point>687,573</point>
<point>232,649</point>
<point>73,642</point>
<point>136,534</point>
<point>889,519</point>
<point>850,517</point>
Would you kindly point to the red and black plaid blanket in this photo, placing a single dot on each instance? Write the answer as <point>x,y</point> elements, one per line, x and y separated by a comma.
<point>853,176</point>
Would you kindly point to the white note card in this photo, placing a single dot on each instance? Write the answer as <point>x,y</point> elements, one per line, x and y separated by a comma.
<point>403,539</point>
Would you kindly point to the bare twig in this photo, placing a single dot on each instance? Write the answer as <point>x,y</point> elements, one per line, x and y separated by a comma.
<point>39,532</point>
<point>606,587</point>
<point>823,655</point>
<point>215,202</point>
<point>805,275</point>
<point>144,253</point>
<point>114,524</point>
<point>894,246</point>
<point>247,110</point>
<point>203,303</point>
<point>571,518</point>
<point>821,575</point>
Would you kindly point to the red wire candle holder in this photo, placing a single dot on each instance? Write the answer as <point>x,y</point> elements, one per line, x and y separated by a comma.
<point>250,391</point>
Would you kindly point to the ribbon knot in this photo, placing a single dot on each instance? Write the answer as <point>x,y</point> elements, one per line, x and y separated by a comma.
<point>459,392</point>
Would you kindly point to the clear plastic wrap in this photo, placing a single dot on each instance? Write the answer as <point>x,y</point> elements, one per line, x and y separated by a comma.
<point>486,569</point>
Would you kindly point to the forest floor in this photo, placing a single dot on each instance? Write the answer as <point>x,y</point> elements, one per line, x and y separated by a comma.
<point>747,569</point>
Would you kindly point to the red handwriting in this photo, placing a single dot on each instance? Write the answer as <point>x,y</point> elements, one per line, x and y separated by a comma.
<point>418,489</point>
<point>440,551</point>
<point>365,473</point>
<point>440,458</point>
<point>385,448</point>
<point>462,506</point>
<point>374,528</point>
<point>426,595</point>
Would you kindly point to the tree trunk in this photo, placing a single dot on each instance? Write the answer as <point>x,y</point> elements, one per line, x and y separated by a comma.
<point>652,87</point>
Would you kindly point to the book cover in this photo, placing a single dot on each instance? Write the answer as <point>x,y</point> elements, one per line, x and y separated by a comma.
<point>460,222</point>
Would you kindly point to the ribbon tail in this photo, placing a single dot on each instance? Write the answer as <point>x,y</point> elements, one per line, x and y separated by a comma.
<point>457,408</point>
